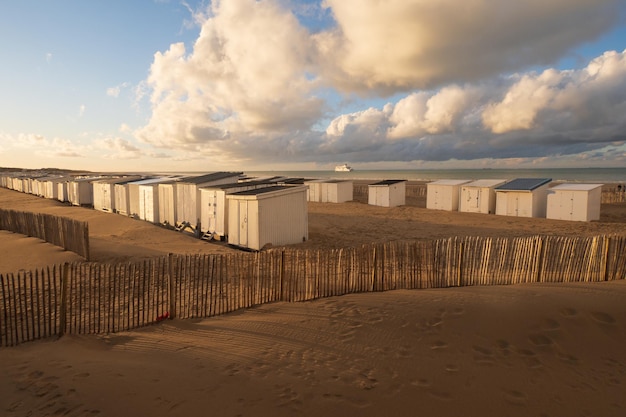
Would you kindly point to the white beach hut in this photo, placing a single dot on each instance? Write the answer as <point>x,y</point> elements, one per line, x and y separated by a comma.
<point>167,203</point>
<point>214,205</point>
<point>187,196</point>
<point>387,193</point>
<point>51,187</point>
<point>62,190</point>
<point>330,191</point>
<point>80,191</point>
<point>523,197</point>
<point>444,194</point>
<point>141,199</point>
<point>479,196</point>
<point>274,215</point>
<point>104,192</point>
<point>578,202</point>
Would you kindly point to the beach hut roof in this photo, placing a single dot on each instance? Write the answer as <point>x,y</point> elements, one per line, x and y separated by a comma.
<point>485,183</point>
<point>149,181</point>
<point>523,184</point>
<point>449,182</point>
<point>235,184</point>
<point>577,187</point>
<point>258,191</point>
<point>215,176</point>
<point>387,182</point>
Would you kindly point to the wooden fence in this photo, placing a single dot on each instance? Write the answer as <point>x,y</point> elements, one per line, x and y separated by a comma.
<point>70,234</point>
<point>83,298</point>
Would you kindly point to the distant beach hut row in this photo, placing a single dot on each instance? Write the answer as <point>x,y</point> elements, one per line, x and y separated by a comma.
<point>258,213</point>
<point>520,197</point>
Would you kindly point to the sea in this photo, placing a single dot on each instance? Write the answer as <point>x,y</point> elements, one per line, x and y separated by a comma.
<point>586,175</point>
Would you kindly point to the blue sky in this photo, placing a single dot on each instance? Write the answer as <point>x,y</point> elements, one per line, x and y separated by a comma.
<point>150,85</point>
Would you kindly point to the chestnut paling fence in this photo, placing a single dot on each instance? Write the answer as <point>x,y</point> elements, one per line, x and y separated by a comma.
<point>70,234</point>
<point>83,298</point>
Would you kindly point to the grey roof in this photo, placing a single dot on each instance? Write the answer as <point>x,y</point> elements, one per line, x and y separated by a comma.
<point>199,179</point>
<point>523,184</point>
<point>263,190</point>
<point>388,182</point>
<point>236,184</point>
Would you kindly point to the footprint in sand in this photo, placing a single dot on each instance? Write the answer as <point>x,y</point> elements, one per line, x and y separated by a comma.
<point>603,318</point>
<point>540,340</point>
<point>421,383</point>
<point>515,397</point>
<point>568,312</point>
<point>550,324</point>
<point>439,345</point>
<point>483,355</point>
<point>452,368</point>
<point>504,347</point>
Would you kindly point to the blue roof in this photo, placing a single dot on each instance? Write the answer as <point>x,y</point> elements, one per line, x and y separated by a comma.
<point>523,184</point>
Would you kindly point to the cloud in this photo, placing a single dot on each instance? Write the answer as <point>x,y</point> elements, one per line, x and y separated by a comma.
<point>405,44</point>
<point>535,114</point>
<point>248,72</point>
<point>257,85</point>
<point>119,148</point>
<point>81,110</point>
<point>39,145</point>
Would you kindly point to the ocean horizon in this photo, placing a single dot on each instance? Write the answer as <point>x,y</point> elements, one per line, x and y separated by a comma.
<point>599,175</point>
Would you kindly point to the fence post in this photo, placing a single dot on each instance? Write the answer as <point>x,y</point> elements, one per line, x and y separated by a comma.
<point>540,255</point>
<point>373,270</point>
<point>63,308</point>
<point>282,273</point>
<point>605,259</point>
<point>171,287</point>
<point>460,270</point>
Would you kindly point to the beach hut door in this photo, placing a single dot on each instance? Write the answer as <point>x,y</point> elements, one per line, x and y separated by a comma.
<point>243,223</point>
<point>105,198</point>
<point>473,195</point>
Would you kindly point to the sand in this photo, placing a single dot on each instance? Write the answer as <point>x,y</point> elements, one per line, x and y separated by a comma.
<point>523,350</point>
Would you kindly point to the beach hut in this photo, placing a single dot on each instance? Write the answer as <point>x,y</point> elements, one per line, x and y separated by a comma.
<point>187,196</point>
<point>51,186</point>
<point>136,208</point>
<point>330,191</point>
<point>62,190</point>
<point>387,193</point>
<point>444,194</point>
<point>214,205</point>
<point>274,215</point>
<point>80,191</point>
<point>104,192</point>
<point>479,196</point>
<point>578,202</point>
<point>523,197</point>
<point>167,203</point>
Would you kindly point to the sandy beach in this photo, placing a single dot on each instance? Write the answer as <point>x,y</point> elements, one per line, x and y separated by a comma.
<point>522,350</point>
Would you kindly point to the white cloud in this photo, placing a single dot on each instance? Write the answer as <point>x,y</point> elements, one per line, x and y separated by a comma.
<point>248,71</point>
<point>119,148</point>
<point>29,144</point>
<point>253,84</point>
<point>549,113</point>
<point>402,44</point>
<point>81,110</point>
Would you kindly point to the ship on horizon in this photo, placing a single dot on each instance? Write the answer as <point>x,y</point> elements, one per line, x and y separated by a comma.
<point>343,168</point>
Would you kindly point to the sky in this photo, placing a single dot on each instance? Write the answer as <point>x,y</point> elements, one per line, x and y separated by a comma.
<point>171,85</point>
